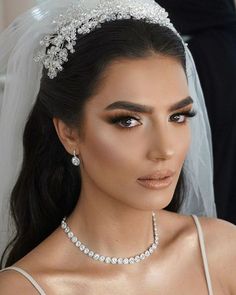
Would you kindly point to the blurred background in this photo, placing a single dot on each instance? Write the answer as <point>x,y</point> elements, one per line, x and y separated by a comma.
<point>10,9</point>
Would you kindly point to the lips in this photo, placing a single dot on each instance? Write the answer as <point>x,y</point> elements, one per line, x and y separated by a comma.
<point>158,175</point>
<point>158,180</point>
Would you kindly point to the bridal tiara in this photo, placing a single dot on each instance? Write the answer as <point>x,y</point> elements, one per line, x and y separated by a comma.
<point>82,19</point>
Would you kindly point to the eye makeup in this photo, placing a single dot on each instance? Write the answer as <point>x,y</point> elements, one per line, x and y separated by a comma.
<point>128,117</point>
<point>125,117</point>
<point>187,114</point>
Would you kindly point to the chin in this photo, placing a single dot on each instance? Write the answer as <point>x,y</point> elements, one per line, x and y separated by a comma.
<point>155,201</point>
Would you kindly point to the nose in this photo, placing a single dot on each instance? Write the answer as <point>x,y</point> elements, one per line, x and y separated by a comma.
<point>161,144</point>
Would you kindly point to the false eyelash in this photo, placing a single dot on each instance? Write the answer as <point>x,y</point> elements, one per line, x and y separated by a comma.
<point>117,118</point>
<point>189,114</point>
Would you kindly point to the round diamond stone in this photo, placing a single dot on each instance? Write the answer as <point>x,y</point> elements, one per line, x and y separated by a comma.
<point>70,234</point>
<point>86,250</point>
<point>120,260</point>
<point>78,243</point>
<point>142,256</point>
<point>91,253</point>
<point>125,261</point>
<point>154,246</point>
<point>137,258</point>
<point>75,161</point>
<point>114,260</point>
<point>150,250</point>
<point>63,225</point>
<point>147,253</point>
<point>131,260</point>
<point>82,247</point>
<point>74,239</point>
<point>108,260</point>
<point>96,256</point>
<point>102,258</point>
<point>67,229</point>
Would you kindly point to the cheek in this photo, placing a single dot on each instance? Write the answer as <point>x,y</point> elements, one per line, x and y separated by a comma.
<point>182,144</point>
<point>104,149</point>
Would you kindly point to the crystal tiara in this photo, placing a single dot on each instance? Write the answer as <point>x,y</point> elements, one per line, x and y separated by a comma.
<point>82,19</point>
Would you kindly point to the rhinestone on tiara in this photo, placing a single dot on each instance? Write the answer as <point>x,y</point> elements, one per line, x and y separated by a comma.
<point>82,19</point>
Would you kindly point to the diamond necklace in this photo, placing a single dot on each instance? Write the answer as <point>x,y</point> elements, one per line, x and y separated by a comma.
<point>113,260</point>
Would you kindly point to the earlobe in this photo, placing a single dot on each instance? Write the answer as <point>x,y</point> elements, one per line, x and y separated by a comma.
<point>67,135</point>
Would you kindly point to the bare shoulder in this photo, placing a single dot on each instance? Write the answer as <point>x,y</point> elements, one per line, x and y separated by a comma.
<point>220,241</point>
<point>10,281</point>
<point>219,233</point>
<point>43,263</point>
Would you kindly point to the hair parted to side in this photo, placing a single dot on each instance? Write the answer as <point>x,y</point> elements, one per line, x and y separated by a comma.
<point>48,185</point>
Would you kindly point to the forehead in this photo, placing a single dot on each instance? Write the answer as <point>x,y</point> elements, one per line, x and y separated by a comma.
<point>155,79</point>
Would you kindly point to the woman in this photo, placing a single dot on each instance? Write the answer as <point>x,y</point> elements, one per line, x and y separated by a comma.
<point>105,146</point>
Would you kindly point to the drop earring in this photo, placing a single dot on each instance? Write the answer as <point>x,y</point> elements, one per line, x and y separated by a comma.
<point>75,160</point>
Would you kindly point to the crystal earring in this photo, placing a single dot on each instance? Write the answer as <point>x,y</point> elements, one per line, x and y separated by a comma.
<point>75,160</point>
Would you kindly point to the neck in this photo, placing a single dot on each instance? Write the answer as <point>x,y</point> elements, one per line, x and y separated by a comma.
<point>110,227</point>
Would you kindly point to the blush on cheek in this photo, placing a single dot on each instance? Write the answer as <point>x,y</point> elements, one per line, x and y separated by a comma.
<point>184,140</point>
<point>182,145</point>
<point>104,149</point>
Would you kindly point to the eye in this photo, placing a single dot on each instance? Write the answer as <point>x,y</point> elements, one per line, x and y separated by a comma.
<point>125,121</point>
<point>181,118</point>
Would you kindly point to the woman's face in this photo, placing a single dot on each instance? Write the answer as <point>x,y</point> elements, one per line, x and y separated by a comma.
<point>133,128</point>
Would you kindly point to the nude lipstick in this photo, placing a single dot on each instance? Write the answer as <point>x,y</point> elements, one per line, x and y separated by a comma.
<point>157,180</point>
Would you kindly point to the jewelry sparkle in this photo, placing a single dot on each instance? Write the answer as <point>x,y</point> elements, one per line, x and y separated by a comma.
<point>82,20</point>
<point>113,260</point>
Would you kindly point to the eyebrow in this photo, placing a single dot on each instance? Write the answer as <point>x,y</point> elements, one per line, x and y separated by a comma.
<point>135,107</point>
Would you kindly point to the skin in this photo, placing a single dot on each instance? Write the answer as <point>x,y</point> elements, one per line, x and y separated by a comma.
<point>113,214</point>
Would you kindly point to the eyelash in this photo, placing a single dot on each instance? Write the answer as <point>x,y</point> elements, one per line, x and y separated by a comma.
<point>116,119</point>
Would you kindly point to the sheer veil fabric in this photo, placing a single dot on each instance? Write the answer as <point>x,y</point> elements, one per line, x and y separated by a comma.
<point>19,43</point>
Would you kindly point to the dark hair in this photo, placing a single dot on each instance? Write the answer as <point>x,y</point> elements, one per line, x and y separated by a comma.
<point>48,185</point>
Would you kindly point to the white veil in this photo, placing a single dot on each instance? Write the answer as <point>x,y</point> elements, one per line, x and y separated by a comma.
<point>19,43</point>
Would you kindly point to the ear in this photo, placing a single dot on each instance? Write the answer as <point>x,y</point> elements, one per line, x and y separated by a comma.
<point>68,136</point>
